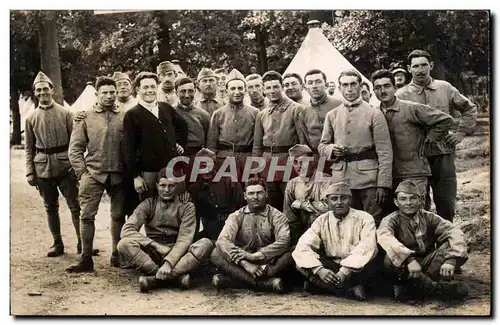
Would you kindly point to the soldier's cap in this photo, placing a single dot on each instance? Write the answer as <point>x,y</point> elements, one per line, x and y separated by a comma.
<point>299,150</point>
<point>167,173</point>
<point>204,152</point>
<point>175,61</point>
<point>121,75</point>
<point>398,70</point>
<point>165,67</point>
<point>206,73</point>
<point>235,75</point>
<point>340,188</point>
<point>408,187</point>
<point>42,77</point>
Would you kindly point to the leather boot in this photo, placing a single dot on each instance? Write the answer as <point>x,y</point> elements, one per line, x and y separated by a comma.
<point>85,264</point>
<point>184,281</point>
<point>271,285</point>
<point>147,283</point>
<point>315,285</point>
<point>57,249</point>
<point>95,251</point>
<point>451,290</point>
<point>222,281</point>
<point>114,260</point>
<point>356,292</point>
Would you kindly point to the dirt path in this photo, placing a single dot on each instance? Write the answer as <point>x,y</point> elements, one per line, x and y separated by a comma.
<point>115,292</point>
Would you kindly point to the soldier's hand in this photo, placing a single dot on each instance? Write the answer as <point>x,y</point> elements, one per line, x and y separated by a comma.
<point>31,180</point>
<point>327,276</point>
<point>296,204</point>
<point>179,149</point>
<point>140,185</point>
<point>454,138</point>
<point>381,195</point>
<point>254,270</point>
<point>447,270</point>
<point>162,249</point>
<point>414,269</point>
<point>81,115</point>
<point>338,150</point>
<point>164,271</point>
<point>237,255</point>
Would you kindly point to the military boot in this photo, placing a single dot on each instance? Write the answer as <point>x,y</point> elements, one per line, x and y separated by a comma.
<point>57,249</point>
<point>271,285</point>
<point>356,292</point>
<point>147,283</point>
<point>85,264</point>
<point>184,281</point>
<point>451,290</point>
<point>95,251</point>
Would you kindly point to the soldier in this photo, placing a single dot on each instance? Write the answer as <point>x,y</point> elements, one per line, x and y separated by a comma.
<point>99,134</point>
<point>154,133</point>
<point>178,68</point>
<point>313,117</point>
<point>214,201</point>
<point>207,84</point>
<point>293,87</point>
<point>256,91</point>
<point>411,126</point>
<point>232,126</point>
<point>167,253</point>
<point>441,156</point>
<point>124,98</point>
<point>252,248</point>
<point>356,139</point>
<point>304,194</point>
<point>48,130</point>
<point>365,92</point>
<point>331,87</point>
<point>276,131</point>
<point>399,74</point>
<point>422,249</point>
<point>337,254</point>
<point>167,72</point>
<point>221,74</point>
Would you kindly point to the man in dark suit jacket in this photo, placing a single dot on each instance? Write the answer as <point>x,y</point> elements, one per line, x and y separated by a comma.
<point>154,133</point>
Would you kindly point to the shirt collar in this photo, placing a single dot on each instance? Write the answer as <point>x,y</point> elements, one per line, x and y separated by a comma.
<point>354,103</point>
<point>341,220</point>
<point>99,109</point>
<point>281,106</point>
<point>236,107</point>
<point>263,213</point>
<point>185,108</point>
<point>149,106</point>
<point>49,106</point>
<point>394,107</point>
<point>419,89</point>
<point>208,99</point>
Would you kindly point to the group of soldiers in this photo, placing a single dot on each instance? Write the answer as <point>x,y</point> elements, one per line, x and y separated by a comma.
<point>364,213</point>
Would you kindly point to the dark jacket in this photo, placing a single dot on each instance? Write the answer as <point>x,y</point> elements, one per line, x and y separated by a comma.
<point>149,142</point>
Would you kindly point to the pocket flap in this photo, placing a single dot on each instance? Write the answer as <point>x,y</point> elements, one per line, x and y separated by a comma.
<point>367,165</point>
<point>40,158</point>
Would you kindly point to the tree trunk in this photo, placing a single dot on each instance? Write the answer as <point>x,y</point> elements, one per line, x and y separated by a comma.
<point>16,118</point>
<point>261,40</point>
<point>49,51</point>
<point>163,36</point>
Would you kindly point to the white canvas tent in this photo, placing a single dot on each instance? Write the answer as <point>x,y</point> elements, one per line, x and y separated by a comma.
<point>86,100</point>
<point>316,52</point>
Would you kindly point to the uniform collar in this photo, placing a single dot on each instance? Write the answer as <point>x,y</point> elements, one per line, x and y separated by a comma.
<point>264,213</point>
<point>394,107</point>
<point>236,107</point>
<point>345,218</point>
<point>207,99</point>
<point>45,107</point>
<point>185,108</point>
<point>319,102</point>
<point>354,103</point>
<point>419,89</point>
<point>281,106</point>
<point>99,109</point>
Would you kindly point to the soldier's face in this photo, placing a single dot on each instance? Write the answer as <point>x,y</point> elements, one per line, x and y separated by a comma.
<point>292,87</point>
<point>186,94</point>
<point>400,79</point>
<point>407,203</point>
<point>302,162</point>
<point>236,91</point>
<point>350,87</point>
<point>124,88</point>
<point>166,189</point>
<point>339,204</point>
<point>331,88</point>
<point>273,90</point>
<point>365,94</point>
<point>147,90</point>
<point>208,85</point>
<point>256,196</point>
<point>44,92</point>
<point>316,85</point>
<point>420,69</point>
<point>106,95</point>
<point>384,90</point>
<point>255,89</point>
<point>221,80</point>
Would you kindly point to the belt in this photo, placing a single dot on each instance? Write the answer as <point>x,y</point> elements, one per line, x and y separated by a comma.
<point>362,155</point>
<point>51,150</point>
<point>236,147</point>
<point>190,151</point>
<point>276,149</point>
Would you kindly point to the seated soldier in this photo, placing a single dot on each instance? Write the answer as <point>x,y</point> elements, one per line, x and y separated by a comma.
<point>337,253</point>
<point>166,253</point>
<point>422,248</point>
<point>253,247</point>
<point>304,194</point>
<point>214,201</point>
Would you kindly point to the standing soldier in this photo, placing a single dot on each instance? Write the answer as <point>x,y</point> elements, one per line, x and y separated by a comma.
<point>221,74</point>
<point>124,98</point>
<point>314,114</point>
<point>356,139</point>
<point>167,72</point>
<point>100,133</point>
<point>232,126</point>
<point>207,84</point>
<point>275,133</point>
<point>256,91</point>
<point>293,87</point>
<point>441,155</point>
<point>411,126</point>
<point>48,130</point>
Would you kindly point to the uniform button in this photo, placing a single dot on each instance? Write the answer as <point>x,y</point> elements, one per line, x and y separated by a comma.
<point>348,132</point>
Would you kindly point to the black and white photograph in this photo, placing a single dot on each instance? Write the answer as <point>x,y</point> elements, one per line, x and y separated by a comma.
<point>188,162</point>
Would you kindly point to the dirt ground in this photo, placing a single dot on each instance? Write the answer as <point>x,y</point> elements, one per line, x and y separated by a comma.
<point>110,291</point>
